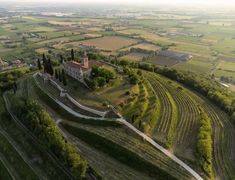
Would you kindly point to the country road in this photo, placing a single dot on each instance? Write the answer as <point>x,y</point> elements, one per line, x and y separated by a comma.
<point>130,126</point>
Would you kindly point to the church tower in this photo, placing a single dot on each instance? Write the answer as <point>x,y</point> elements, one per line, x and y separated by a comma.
<point>85,61</point>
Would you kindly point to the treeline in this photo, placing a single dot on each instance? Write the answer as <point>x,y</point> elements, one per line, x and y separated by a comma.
<point>119,152</point>
<point>8,79</point>
<point>206,86</point>
<point>204,145</point>
<point>227,79</point>
<point>42,126</point>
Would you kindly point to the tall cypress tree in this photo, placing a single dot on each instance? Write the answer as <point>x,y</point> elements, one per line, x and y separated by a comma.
<point>59,75</point>
<point>39,64</point>
<point>44,62</point>
<point>50,68</point>
<point>61,59</point>
<point>72,54</point>
<point>56,74</point>
<point>64,78</point>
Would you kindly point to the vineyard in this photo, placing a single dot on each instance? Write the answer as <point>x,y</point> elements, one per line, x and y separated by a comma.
<point>179,120</point>
<point>163,109</point>
<point>122,138</point>
<point>171,114</point>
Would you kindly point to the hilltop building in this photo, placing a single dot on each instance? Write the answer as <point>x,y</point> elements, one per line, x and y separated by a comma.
<point>81,70</point>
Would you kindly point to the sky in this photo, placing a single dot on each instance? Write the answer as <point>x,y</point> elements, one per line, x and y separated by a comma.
<point>146,2</point>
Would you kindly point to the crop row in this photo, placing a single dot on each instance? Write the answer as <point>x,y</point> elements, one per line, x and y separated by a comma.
<point>167,122</point>
<point>127,139</point>
<point>188,115</point>
<point>223,139</point>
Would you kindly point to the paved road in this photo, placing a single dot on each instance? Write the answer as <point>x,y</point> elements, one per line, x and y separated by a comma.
<point>144,136</point>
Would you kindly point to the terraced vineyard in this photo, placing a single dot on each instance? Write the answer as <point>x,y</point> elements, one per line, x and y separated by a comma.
<point>135,145</point>
<point>167,122</point>
<point>147,104</point>
<point>187,104</point>
<point>168,112</point>
<point>188,118</point>
<point>223,139</point>
<point>124,137</point>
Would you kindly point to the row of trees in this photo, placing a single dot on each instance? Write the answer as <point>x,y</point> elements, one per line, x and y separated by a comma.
<point>204,145</point>
<point>47,65</point>
<point>60,75</point>
<point>40,123</point>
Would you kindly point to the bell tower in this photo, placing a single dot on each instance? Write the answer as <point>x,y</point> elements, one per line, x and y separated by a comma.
<point>85,61</point>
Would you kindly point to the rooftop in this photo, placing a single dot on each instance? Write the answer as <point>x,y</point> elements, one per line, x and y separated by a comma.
<point>77,65</point>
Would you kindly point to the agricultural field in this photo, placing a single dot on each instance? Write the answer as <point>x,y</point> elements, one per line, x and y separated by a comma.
<point>193,121</point>
<point>106,43</point>
<point>163,61</point>
<point>135,57</point>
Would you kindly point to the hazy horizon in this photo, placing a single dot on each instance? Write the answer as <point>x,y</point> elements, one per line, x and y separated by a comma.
<point>130,2</point>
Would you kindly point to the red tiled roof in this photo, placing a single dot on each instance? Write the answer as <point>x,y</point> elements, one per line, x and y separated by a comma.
<point>77,65</point>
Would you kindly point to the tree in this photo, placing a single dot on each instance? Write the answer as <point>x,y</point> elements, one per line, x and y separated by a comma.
<point>56,74</point>
<point>64,78</point>
<point>44,62</point>
<point>61,59</point>
<point>72,54</point>
<point>39,64</point>
<point>59,75</point>
<point>14,87</point>
<point>50,68</point>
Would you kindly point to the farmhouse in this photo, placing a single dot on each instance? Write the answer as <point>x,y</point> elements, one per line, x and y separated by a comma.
<point>175,55</point>
<point>81,70</point>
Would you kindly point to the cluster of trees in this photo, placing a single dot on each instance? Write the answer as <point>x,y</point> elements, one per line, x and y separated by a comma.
<point>99,77</point>
<point>47,65</point>
<point>8,79</point>
<point>204,144</point>
<point>40,123</point>
<point>133,75</point>
<point>227,79</point>
<point>60,75</point>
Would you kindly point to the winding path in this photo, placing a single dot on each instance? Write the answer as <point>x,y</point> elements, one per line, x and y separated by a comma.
<point>130,126</point>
